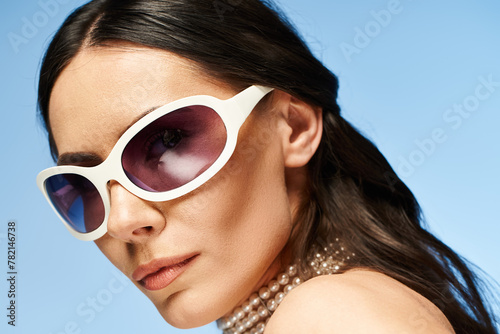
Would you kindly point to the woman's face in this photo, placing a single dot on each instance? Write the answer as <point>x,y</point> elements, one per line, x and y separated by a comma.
<point>231,231</point>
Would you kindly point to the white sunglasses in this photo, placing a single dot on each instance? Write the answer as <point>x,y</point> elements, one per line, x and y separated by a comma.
<point>164,155</point>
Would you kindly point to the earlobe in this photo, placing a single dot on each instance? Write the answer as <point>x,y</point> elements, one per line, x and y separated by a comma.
<point>304,123</point>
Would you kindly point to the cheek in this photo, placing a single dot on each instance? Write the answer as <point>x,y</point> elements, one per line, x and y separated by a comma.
<point>246,220</point>
<point>248,198</point>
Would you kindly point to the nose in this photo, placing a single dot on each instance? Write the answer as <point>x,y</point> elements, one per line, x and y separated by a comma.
<point>131,218</point>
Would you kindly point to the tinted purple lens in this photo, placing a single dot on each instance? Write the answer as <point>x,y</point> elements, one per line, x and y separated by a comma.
<point>174,149</point>
<point>77,201</point>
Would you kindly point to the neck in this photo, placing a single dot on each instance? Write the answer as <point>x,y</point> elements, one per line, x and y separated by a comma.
<point>254,313</point>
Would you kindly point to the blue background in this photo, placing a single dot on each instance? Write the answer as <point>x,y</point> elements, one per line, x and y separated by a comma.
<point>397,88</point>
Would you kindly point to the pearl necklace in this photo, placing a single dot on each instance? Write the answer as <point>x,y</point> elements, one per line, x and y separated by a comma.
<point>252,316</point>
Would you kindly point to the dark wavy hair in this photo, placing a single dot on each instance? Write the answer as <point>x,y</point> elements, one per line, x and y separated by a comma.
<point>353,192</point>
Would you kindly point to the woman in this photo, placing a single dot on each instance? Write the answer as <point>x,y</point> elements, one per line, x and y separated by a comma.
<point>226,183</point>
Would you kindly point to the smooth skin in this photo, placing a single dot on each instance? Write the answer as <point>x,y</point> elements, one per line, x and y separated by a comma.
<point>238,223</point>
<point>356,302</point>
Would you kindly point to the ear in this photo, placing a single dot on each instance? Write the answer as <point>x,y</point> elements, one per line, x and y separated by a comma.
<point>303,128</point>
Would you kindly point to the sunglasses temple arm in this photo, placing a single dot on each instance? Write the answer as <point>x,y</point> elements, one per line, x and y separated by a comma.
<point>250,97</point>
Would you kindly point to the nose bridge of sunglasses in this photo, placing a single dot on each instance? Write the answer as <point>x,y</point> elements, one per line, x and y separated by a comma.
<point>109,171</point>
<point>115,188</point>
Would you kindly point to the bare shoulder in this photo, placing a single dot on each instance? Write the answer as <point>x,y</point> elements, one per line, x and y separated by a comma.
<point>358,301</point>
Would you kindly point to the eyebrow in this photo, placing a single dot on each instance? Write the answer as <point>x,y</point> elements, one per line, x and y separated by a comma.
<point>86,159</point>
<point>89,159</point>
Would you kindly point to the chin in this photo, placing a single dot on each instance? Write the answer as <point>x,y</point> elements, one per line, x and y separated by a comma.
<point>184,313</point>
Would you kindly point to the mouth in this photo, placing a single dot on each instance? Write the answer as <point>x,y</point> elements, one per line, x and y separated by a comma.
<point>160,273</point>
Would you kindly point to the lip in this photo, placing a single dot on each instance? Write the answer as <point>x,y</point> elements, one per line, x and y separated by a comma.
<point>159,273</point>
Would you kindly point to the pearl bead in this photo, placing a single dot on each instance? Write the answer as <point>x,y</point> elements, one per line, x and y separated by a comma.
<point>260,327</point>
<point>248,323</point>
<point>264,293</point>
<point>296,281</point>
<point>272,305</point>
<point>239,314</point>
<point>262,311</point>
<point>225,323</point>
<point>283,279</point>
<point>292,270</point>
<point>246,307</point>
<point>240,327</point>
<point>279,297</point>
<point>254,316</point>
<point>234,331</point>
<point>274,286</point>
<point>288,288</point>
<point>254,299</point>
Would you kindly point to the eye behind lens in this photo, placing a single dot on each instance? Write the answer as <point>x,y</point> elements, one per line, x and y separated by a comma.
<point>172,137</point>
<point>175,148</point>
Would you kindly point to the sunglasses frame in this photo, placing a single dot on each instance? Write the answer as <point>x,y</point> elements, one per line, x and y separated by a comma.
<point>233,112</point>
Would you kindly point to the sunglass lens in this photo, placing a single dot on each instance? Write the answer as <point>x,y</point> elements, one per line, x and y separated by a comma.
<point>77,201</point>
<point>174,149</point>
